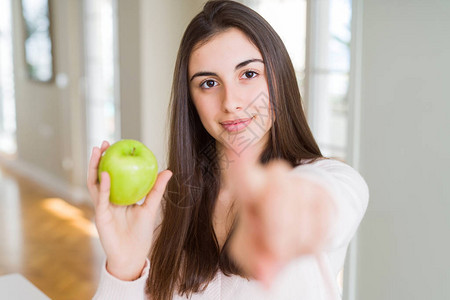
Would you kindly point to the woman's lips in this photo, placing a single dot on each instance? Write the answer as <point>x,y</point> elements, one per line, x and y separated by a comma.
<point>233,126</point>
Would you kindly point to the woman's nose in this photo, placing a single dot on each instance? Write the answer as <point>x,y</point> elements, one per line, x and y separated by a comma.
<point>232,100</point>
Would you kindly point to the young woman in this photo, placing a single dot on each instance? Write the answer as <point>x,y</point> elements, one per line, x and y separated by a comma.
<point>248,208</point>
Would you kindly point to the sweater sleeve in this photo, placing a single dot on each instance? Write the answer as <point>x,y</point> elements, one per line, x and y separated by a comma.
<point>349,192</point>
<point>111,288</point>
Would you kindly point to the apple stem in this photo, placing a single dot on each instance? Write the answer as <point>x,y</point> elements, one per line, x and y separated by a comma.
<point>134,150</point>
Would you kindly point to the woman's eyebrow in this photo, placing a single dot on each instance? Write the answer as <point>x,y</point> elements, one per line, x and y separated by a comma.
<point>238,66</point>
<point>248,61</point>
<point>203,74</point>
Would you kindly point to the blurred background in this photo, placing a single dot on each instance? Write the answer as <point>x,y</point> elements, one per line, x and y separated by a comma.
<point>374,77</point>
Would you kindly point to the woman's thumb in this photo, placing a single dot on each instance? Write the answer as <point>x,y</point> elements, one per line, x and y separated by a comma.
<point>154,197</point>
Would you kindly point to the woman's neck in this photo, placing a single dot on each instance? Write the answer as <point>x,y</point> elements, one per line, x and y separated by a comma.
<point>230,158</point>
<point>228,164</point>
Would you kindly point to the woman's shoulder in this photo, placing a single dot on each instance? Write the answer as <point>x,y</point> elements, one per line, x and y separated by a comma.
<point>348,189</point>
<point>331,168</point>
<point>322,161</point>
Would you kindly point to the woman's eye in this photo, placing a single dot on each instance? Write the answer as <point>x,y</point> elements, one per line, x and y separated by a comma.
<point>207,84</point>
<point>249,74</point>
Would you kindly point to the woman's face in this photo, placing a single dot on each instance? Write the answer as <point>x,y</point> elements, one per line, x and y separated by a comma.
<point>228,86</point>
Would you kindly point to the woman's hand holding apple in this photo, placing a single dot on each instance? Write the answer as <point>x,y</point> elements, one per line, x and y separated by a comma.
<point>126,232</point>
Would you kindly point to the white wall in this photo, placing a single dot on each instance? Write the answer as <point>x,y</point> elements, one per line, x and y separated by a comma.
<point>130,81</point>
<point>404,240</point>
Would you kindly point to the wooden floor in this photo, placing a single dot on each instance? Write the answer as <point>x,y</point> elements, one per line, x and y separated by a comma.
<point>49,241</point>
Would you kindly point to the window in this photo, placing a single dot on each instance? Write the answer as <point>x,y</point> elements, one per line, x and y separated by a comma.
<point>328,74</point>
<point>7,100</point>
<point>102,101</point>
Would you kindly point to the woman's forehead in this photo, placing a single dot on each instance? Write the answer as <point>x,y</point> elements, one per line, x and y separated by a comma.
<point>224,50</point>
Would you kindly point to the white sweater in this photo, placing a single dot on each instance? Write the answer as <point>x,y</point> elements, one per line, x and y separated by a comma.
<point>302,278</point>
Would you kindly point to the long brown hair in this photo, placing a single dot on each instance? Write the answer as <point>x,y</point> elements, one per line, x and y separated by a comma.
<point>186,255</point>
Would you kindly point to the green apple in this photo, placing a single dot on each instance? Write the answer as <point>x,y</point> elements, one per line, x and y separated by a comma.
<point>132,168</point>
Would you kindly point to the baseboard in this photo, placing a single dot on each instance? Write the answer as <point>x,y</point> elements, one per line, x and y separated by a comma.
<point>61,188</point>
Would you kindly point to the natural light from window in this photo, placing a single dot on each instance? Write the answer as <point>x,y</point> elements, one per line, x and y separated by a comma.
<point>101,76</point>
<point>7,102</point>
